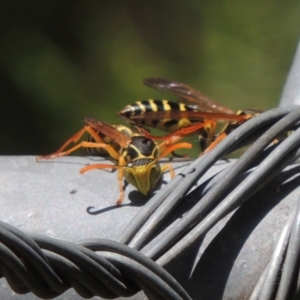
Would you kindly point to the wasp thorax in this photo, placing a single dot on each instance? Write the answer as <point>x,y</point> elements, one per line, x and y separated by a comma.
<point>142,147</point>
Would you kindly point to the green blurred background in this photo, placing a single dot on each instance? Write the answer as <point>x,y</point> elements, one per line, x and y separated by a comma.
<point>63,60</point>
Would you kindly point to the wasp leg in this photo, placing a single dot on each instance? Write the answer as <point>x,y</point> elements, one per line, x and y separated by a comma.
<point>166,149</point>
<point>97,166</point>
<point>215,142</point>
<point>170,168</point>
<point>107,166</point>
<point>180,133</point>
<point>82,144</point>
<point>172,138</point>
<point>207,136</point>
<point>177,155</point>
<point>122,163</point>
<point>73,139</point>
<point>193,128</point>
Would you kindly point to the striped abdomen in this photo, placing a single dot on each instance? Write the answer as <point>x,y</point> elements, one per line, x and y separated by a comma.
<point>154,113</point>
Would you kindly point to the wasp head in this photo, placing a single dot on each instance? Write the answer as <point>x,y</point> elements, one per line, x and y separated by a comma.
<point>144,177</point>
<point>142,170</point>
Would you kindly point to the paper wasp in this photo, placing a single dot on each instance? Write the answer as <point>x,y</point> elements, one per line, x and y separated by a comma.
<point>193,108</point>
<point>135,155</point>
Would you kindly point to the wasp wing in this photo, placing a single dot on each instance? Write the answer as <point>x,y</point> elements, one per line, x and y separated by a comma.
<point>187,94</point>
<point>108,130</point>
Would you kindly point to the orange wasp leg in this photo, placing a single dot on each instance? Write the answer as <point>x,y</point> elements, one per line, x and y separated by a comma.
<point>73,139</point>
<point>170,168</point>
<point>215,142</point>
<point>180,132</point>
<point>166,147</point>
<point>122,163</point>
<point>112,152</point>
<point>195,127</point>
<point>224,134</point>
<point>120,166</point>
<point>170,148</point>
<point>97,166</point>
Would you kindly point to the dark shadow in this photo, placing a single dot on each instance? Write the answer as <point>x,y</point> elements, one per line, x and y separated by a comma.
<point>182,268</point>
<point>137,199</point>
<point>90,211</point>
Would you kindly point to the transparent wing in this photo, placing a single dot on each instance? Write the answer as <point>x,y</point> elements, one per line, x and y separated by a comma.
<point>108,130</point>
<point>187,94</point>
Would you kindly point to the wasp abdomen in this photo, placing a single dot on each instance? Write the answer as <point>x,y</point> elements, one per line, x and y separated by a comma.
<point>98,151</point>
<point>150,107</point>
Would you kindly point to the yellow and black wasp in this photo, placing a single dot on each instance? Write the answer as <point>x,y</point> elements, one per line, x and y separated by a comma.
<point>193,109</point>
<point>135,156</point>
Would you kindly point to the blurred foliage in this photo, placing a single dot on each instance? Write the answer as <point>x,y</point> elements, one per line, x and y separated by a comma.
<point>63,60</point>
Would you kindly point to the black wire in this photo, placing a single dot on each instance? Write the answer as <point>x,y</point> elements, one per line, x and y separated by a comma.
<point>272,165</point>
<point>138,273</point>
<point>291,264</point>
<point>207,201</point>
<point>115,247</point>
<point>172,228</point>
<point>259,285</point>
<point>296,293</point>
<point>28,264</point>
<point>270,280</point>
<point>190,175</point>
<point>24,250</point>
<point>78,266</point>
<point>142,216</point>
<point>24,237</point>
<point>101,280</point>
<point>238,135</point>
<point>20,273</point>
<point>72,275</point>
